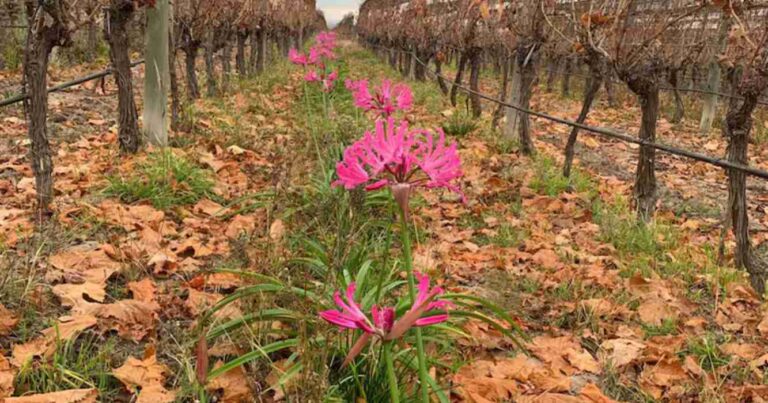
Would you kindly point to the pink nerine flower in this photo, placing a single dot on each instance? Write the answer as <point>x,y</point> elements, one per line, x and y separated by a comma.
<point>425,302</point>
<point>358,85</point>
<point>297,57</point>
<point>385,99</point>
<point>311,76</point>
<point>323,49</point>
<point>318,53</point>
<point>383,324</point>
<point>399,157</point>
<point>326,39</point>
<point>350,316</point>
<point>329,80</point>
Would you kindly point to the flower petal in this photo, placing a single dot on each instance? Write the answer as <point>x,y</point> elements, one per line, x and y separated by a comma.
<point>339,319</point>
<point>431,320</point>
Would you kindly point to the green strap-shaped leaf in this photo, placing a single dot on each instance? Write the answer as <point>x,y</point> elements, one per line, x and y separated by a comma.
<point>264,315</point>
<point>491,307</point>
<point>477,315</point>
<point>252,355</point>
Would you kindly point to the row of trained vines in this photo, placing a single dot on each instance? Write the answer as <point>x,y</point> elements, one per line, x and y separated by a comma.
<point>210,30</point>
<point>717,50</point>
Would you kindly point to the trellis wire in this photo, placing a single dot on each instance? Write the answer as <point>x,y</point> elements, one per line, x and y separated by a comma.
<point>599,130</point>
<point>662,87</point>
<point>90,77</point>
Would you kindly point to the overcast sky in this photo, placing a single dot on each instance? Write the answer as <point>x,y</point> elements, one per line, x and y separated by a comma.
<point>336,9</point>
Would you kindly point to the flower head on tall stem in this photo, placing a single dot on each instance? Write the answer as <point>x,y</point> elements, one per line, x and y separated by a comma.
<point>383,323</point>
<point>311,76</point>
<point>403,159</point>
<point>329,80</point>
<point>296,57</point>
<point>384,100</point>
<point>317,54</point>
<point>326,80</point>
<point>326,39</point>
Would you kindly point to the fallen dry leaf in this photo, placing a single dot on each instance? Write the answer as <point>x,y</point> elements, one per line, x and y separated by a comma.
<point>163,264</point>
<point>156,393</point>
<point>231,386</point>
<point>546,258</point>
<point>240,225</point>
<point>622,351</point>
<point>746,351</point>
<point>7,374</point>
<point>130,217</point>
<point>549,398</point>
<point>144,290</point>
<point>583,361</point>
<point>208,207</point>
<point>222,281</point>
<point>8,321</point>
<point>64,396</point>
<point>592,393</point>
<point>132,319</point>
<point>555,351</point>
<point>654,312</point>
<point>146,374</point>
<point>199,301</point>
<point>78,296</point>
<point>84,263</point>
<point>762,327</point>
<point>666,373</point>
<point>277,230</point>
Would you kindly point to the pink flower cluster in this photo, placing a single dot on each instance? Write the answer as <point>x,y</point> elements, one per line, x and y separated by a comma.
<point>385,100</point>
<point>396,155</point>
<point>325,42</point>
<point>382,322</point>
<point>326,80</point>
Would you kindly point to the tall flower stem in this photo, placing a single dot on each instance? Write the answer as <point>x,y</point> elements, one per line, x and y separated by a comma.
<point>310,126</point>
<point>306,99</point>
<point>394,389</point>
<point>325,104</point>
<point>385,263</point>
<point>405,236</point>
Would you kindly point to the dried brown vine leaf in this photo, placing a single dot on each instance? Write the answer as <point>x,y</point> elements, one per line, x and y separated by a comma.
<point>148,376</point>
<point>7,374</point>
<point>64,396</point>
<point>143,290</point>
<point>132,319</point>
<point>621,352</point>
<point>231,386</point>
<point>89,262</point>
<point>8,320</point>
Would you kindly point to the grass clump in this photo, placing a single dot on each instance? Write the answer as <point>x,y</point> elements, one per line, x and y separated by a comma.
<point>667,327</point>
<point>83,362</point>
<point>706,350</point>
<point>165,179</point>
<point>12,56</point>
<point>427,94</point>
<point>629,236</point>
<point>549,180</point>
<point>508,236</point>
<point>617,388</point>
<point>459,123</point>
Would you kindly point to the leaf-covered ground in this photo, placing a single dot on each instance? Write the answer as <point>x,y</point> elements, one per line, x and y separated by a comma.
<point>104,304</point>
